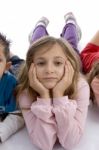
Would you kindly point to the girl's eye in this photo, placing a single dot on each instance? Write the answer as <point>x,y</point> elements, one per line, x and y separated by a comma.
<point>97,76</point>
<point>40,64</point>
<point>58,63</point>
<point>0,60</point>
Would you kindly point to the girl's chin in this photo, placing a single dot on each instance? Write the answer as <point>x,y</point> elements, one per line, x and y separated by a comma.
<point>49,87</point>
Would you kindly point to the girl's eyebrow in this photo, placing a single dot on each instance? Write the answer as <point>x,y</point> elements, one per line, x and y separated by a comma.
<point>39,58</point>
<point>59,57</point>
<point>56,57</point>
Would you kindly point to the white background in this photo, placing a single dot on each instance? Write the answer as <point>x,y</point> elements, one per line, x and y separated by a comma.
<point>18,18</point>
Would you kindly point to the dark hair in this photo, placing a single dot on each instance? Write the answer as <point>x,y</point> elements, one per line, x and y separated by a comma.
<point>6,44</point>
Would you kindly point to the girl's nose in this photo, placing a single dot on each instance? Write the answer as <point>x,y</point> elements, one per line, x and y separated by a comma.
<point>49,68</point>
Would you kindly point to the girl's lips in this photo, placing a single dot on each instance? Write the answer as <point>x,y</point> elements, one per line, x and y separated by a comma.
<point>49,78</point>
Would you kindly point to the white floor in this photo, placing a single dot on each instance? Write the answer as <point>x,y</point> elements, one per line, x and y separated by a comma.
<point>89,141</point>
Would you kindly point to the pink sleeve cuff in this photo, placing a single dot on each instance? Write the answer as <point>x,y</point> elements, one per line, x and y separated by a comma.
<point>42,109</point>
<point>60,101</point>
<point>41,101</point>
<point>63,101</point>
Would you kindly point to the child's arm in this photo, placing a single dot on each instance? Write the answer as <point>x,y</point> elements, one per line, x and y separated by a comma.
<point>39,120</point>
<point>9,97</point>
<point>71,116</point>
<point>11,104</point>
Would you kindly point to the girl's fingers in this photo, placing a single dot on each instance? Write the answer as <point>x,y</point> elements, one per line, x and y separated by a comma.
<point>32,74</point>
<point>69,72</point>
<point>66,73</point>
<point>31,69</point>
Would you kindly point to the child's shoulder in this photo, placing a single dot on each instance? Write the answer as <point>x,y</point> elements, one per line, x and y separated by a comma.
<point>9,78</point>
<point>24,99</point>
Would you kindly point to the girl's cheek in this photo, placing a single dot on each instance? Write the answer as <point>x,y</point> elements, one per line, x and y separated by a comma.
<point>62,70</point>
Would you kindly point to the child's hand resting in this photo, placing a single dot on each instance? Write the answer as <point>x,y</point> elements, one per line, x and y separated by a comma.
<point>36,84</point>
<point>65,82</point>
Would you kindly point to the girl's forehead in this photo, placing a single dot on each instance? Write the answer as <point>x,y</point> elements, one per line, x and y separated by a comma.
<point>54,50</point>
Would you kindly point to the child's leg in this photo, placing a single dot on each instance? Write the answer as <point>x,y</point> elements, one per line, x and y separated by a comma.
<point>10,125</point>
<point>95,39</point>
<point>40,30</point>
<point>71,31</point>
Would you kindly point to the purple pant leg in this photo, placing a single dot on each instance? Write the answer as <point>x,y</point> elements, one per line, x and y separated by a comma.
<point>70,34</point>
<point>39,32</point>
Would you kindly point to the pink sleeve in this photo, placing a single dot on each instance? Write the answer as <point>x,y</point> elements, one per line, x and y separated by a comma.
<point>71,116</point>
<point>40,122</point>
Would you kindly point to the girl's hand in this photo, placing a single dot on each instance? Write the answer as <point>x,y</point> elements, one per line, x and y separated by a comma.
<point>65,82</point>
<point>36,85</point>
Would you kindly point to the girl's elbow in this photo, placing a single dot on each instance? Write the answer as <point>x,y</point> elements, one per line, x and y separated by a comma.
<point>41,143</point>
<point>71,142</point>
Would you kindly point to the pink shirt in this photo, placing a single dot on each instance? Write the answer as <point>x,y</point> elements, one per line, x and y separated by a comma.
<point>64,119</point>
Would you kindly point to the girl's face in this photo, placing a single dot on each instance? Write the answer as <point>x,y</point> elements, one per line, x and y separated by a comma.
<point>50,65</point>
<point>95,88</point>
<point>2,62</point>
<point>95,84</point>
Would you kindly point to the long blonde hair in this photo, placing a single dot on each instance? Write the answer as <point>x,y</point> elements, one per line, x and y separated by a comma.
<point>94,72</point>
<point>49,41</point>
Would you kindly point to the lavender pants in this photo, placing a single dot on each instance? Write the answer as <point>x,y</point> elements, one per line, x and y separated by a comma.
<point>69,33</point>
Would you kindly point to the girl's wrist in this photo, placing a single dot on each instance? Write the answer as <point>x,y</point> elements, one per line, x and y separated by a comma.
<point>45,95</point>
<point>56,95</point>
